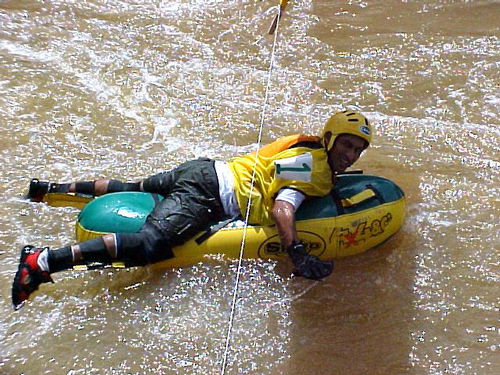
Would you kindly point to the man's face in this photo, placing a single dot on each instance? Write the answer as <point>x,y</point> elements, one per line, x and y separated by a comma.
<point>345,152</point>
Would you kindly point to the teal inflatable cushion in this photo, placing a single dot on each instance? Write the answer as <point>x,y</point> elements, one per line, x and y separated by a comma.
<point>118,212</point>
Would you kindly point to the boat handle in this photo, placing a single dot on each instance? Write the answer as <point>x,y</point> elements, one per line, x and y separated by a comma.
<point>358,198</point>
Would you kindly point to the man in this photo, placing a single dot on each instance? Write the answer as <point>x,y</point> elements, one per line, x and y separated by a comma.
<point>200,191</point>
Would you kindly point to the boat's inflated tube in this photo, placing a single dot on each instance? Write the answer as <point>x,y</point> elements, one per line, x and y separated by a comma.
<point>361,212</point>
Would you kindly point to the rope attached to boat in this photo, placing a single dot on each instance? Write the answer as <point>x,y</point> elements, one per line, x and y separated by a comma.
<point>273,30</point>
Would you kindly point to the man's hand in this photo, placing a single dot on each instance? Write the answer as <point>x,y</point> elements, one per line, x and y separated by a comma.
<point>308,265</point>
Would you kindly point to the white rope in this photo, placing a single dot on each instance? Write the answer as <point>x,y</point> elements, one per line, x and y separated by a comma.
<point>247,214</point>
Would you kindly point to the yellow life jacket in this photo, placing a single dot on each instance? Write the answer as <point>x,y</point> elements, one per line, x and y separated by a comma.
<point>278,166</point>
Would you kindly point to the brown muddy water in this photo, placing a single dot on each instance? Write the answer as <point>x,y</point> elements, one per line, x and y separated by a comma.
<point>125,89</point>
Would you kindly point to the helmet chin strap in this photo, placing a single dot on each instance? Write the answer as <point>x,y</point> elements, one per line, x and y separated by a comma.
<point>331,141</point>
<point>330,144</point>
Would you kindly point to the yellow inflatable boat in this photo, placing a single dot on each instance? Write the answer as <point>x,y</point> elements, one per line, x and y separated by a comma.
<point>361,212</point>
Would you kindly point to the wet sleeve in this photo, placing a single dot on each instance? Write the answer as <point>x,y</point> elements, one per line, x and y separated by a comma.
<point>292,196</point>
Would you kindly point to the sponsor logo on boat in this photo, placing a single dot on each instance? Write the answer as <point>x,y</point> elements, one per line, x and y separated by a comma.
<point>360,231</point>
<point>271,248</point>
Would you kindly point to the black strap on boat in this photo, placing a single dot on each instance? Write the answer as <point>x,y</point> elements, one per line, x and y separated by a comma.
<point>378,196</point>
<point>354,171</point>
<point>213,229</point>
<point>338,202</point>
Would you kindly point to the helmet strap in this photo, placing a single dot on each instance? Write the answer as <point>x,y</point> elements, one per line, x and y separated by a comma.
<point>330,144</point>
<point>331,141</point>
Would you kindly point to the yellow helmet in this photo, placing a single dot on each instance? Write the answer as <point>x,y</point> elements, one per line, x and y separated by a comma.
<point>347,122</point>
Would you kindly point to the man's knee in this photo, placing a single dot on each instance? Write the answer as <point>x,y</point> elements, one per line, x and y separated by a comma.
<point>161,183</point>
<point>147,246</point>
<point>116,186</point>
<point>156,246</point>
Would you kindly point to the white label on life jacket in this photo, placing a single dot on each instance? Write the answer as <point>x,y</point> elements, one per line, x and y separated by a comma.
<point>294,168</point>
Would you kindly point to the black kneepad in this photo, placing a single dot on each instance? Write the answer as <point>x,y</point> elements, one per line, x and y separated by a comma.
<point>85,187</point>
<point>116,186</point>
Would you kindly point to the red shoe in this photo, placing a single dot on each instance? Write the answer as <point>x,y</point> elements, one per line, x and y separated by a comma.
<point>28,276</point>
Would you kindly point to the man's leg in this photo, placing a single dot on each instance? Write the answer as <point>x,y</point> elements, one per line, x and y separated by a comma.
<point>37,264</point>
<point>38,189</point>
<point>170,224</point>
<point>161,183</point>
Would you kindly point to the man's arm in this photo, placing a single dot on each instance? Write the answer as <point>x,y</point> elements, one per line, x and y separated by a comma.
<point>284,217</point>
<point>307,265</point>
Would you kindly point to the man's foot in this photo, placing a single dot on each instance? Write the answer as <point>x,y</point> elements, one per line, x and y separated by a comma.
<point>29,276</point>
<point>37,190</point>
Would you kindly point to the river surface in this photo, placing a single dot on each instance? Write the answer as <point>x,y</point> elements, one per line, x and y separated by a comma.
<point>124,89</point>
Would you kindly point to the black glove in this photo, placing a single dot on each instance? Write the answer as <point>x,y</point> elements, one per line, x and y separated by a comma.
<point>308,265</point>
